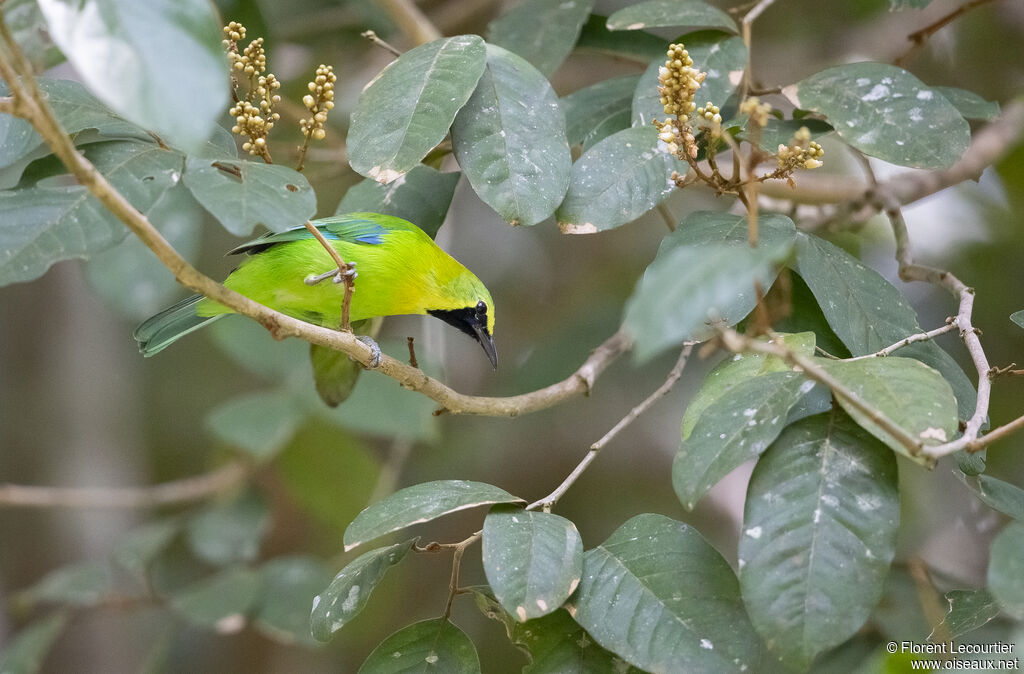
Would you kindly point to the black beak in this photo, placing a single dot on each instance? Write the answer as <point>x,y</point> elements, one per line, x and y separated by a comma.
<point>487,342</point>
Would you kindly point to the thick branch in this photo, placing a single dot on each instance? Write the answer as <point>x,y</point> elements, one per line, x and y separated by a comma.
<point>168,493</point>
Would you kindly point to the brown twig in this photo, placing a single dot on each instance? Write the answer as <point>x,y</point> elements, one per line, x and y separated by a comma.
<point>453,583</point>
<point>950,326</point>
<point>412,352</point>
<point>375,39</point>
<point>176,492</point>
<point>920,37</point>
<point>344,274</point>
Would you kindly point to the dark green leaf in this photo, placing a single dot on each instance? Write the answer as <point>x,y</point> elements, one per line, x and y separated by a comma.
<point>532,560</point>
<point>541,31</point>
<point>422,197</point>
<point>28,27</point>
<point>658,595</point>
<point>970,104</point>
<point>907,391</point>
<point>733,429</point>
<point>158,63</point>
<point>705,227</point>
<point>616,181</point>
<point>593,113</point>
<point>242,194</point>
<point>1006,569</point>
<point>886,112</point>
<point>1018,317</point>
<point>968,610</point>
<point>348,593</point>
<point>260,423</point>
<point>82,584</point>
<point>406,110</point>
<point>636,45</point>
<point>421,503</point>
<point>290,585</point>
<point>136,550</point>
<point>998,495</point>
<point>688,286</point>
<point>721,56</point>
<point>662,13</point>
<point>221,602</point>
<point>334,372</point>
<point>57,219</point>
<point>510,140</point>
<point>25,653</point>
<point>819,533</point>
<point>427,646</point>
<point>970,463</point>
<point>738,369</point>
<point>230,532</point>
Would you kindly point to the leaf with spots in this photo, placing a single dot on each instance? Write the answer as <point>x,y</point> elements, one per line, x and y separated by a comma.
<point>289,587</point>
<point>1006,569</point>
<point>532,560</point>
<point>427,646</point>
<point>910,393</point>
<point>510,140</point>
<point>541,31</point>
<point>819,533</point>
<point>221,602</point>
<point>593,113</point>
<point>734,428</point>
<point>422,196</point>
<point>421,503</point>
<point>348,593</point>
<point>406,110</point>
<point>658,595</point>
<point>886,112</point>
<point>666,13</point>
<point>723,57</point>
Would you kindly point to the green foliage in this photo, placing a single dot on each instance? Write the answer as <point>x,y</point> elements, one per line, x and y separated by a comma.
<point>665,13</point>
<point>423,197</point>
<point>593,113</point>
<point>541,31</point>
<point>1006,570</point>
<point>968,610</point>
<point>997,494</point>
<point>429,645</point>
<point>82,584</point>
<point>230,532</point>
<point>24,654</point>
<point>222,601</point>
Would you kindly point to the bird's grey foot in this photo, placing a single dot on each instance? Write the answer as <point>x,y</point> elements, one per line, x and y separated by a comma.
<point>374,348</point>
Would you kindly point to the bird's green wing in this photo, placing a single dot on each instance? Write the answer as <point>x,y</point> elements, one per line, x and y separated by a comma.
<point>365,228</point>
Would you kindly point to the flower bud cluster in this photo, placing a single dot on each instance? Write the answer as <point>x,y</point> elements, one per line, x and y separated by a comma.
<point>254,115</point>
<point>802,152</point>
<point>756,111</point>
<point>319,101</point>
<point>678,81</point>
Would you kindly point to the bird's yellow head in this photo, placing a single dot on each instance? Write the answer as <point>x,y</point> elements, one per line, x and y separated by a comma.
<point>471,310</point>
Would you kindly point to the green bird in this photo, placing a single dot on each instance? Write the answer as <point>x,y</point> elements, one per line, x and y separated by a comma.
<point>400,268</point>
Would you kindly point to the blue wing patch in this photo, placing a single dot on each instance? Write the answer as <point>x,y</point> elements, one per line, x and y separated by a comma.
<point>357,230</point>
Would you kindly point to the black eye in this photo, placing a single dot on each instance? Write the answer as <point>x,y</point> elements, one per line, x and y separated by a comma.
<point>481,307</point>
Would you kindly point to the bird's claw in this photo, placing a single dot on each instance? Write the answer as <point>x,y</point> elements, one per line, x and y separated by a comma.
<point>340,275</point>
<point>375,352</point>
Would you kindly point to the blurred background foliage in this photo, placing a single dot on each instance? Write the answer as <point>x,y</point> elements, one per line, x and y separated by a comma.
<point>79,406</point>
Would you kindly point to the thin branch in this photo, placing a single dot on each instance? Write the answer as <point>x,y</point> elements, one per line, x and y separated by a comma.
<point>747,24</point>
<point>666,215</point>
<point>453,583</point>
<point>950,326</point>
<point>411,21</point>
<point>176,492</point>
<point>39,114</point>
<point>920,37</point>
<point>595,449</point>
<point>374,38</point>
<point>345,274</point>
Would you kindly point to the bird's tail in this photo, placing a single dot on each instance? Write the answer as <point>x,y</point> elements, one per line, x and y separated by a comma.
<point>160,331</point>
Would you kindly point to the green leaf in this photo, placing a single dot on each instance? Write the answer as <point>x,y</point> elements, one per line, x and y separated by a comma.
<point>427,646</point>
<point>658,595</point>
<point>350,590</point>
<point>28,27</point>
<point>57,219</point>
<point>1018,318</point>
<point>637,45</point>
<point>136,550</point>
<point>510,141</point>
<point>251,347</point>
<point>25,653</point>
<point>663,13</point>
<point>242,194</point>
<point>593,113</point>
<point>738,369</point>
<point>733,429</point>
<point>968,610</point>
<point>688,286</point>
<point>898,5</point>
<point>907,391</point>
<point>996,494</point>
<point>886,112</point>
<point>780,132</point>
<point>1006,569</point>
<point>422,197</point>
<point>970,463</point>
<point>722,56</point>
<point>221,602</point>
<point>819,533</point>
<point>289,587</point>
<point>421,503</point>
<point>137,57</point>
<point>533,560</point>
<point>406,110</point>
<point>705,227</point>
<point>82,584</point>
<point>616,181</point>
<point>970,104</point>
<point>541,31</point>
<point>130,278</point>
<point>555,644</point>
<point>868,314</point>
<point>260,423</point>
<point>226,533</point>
<point>334,372</point>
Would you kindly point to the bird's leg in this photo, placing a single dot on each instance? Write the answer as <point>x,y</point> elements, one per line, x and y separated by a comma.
<point>340,275</point>
<point>374,348</point>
